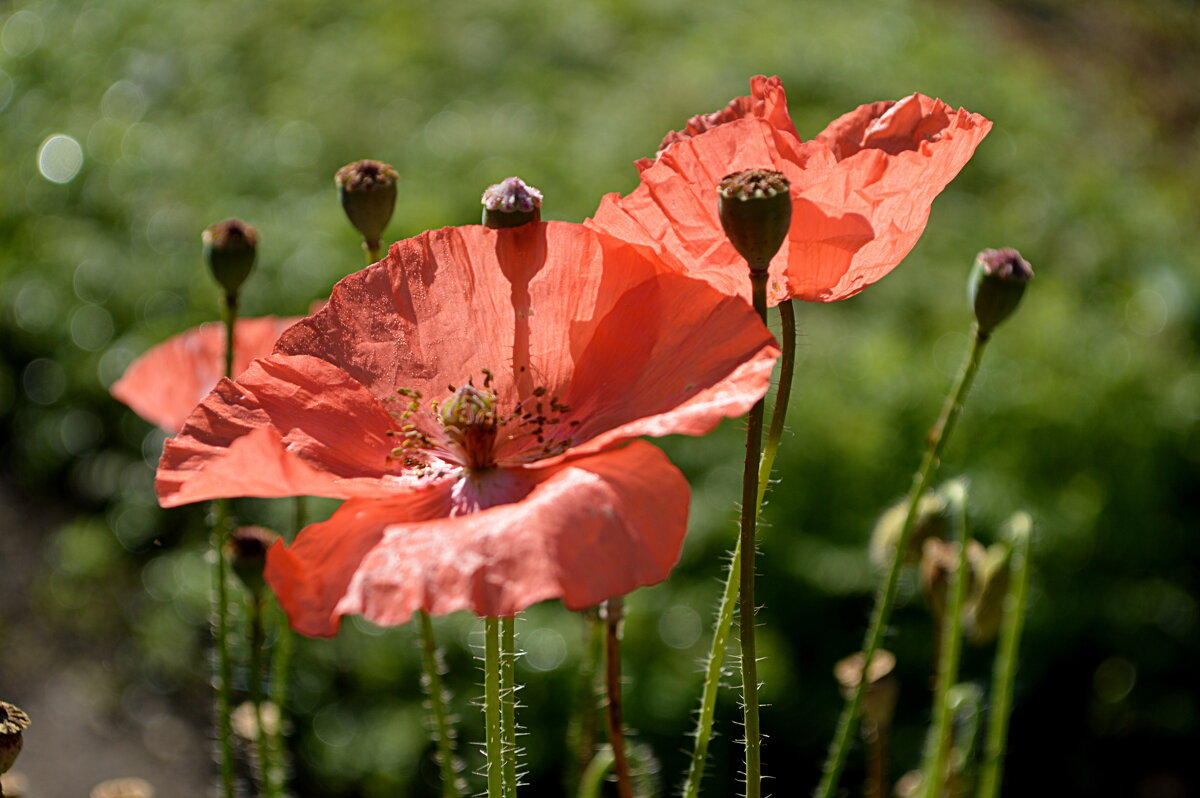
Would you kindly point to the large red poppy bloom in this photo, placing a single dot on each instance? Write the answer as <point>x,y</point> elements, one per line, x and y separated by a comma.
<point>473,397</point>
<point>861,190</point>
<point>166,383</point>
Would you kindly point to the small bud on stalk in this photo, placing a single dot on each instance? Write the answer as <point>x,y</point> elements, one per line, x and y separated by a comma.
<point>882,685</point>
<point>511,203</point>
<point>939,559</point>
<point>755,207</point>
<point>368,193</point>
<point>985,609</point>
<point>230,247</point>
<point>247,550</point>
<point>996,285</point>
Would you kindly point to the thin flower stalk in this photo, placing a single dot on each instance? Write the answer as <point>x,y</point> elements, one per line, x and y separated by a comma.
<point>1005,668</point>
<point>262,745</point>
<point>581,729</point>
<point>275,770</point>
<point>435,690</point>
<point>220,534</point>
<point>597,770</point>
<point>886,597</point>
<point>724,620</point>
<point>936,756</point>
<point>508,703</point>
<point>746,606</point>
<point>612,679</point>
<point>494,744</point>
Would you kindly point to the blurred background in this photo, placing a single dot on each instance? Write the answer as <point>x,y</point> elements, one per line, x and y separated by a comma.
<point>127,126</point>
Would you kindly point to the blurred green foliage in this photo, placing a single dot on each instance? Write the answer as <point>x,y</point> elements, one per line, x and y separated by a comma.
<point>170,116</point>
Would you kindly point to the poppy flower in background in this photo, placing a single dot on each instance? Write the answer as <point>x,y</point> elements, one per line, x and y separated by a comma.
<point>861,190</point>
<point>474,398</point>
<point>166,383</point>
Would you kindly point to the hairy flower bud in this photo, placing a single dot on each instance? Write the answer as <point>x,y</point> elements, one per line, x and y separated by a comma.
<point>996,285</point>
<point>755,207</point>
<point>939,560</point>
<point>247,551</point>
<point>932,521</point>
<point>511,203</point>
<point>986,608</point>
<point>367,190</point>
<point>882,686</point>
<point>13,721</point>
<point>229,248</point>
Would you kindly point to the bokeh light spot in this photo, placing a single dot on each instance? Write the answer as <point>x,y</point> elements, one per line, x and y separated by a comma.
<point>1146,313</point>
<point>6,89</point>
<point>679,626</point>
<point>545,649</point>
<point>60,158</point>
<point>44,381</point>
<point>22,34</point>
<point>91,327</point>
<point>1114,679</point>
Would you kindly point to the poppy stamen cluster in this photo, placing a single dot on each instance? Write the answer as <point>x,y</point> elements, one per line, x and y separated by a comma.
<point>469,430</point>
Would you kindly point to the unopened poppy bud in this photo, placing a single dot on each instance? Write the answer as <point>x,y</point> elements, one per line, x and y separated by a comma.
<point>939,559</point>
<point>367,190</point>
<point>123,788</point>
<point>247,550</point>
<point>932,521</point>
<point>13,721</point>
<point>755,207</point>
<point>229,248</point>
<point>511,203</point>
<point>996,285</point>
<point>882,686</point>
<point>986,608</point>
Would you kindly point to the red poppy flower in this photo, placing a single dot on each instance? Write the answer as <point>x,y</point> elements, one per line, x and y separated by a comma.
<point>472,397</point>
<point>166,383</point>
<point>861,190</point>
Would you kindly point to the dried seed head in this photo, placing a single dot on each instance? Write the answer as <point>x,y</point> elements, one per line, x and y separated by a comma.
<point>367,190</point>
<point>755,207</point>
<point>996,285</point>
<point>229,249</point>
<point>511,203</point>
<point>13,721</point>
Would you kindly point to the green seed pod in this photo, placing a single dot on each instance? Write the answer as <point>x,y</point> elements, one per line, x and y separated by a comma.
<point>229,248</point>
<point>511,203</point>
<point>996,285</point>
<point>755,207</point>
<point>367,190</point>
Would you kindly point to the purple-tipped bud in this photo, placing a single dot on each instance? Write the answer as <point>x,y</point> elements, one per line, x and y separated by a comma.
<point>996,285</point>
<point>755,207</point>
<point>230,247</point>
<point>511,203</point>
<point>13,721</point>
<point>247,550</point>
<point>368,193</point>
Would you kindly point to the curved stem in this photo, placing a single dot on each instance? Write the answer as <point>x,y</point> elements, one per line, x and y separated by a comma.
<point>1005,668</point>
<point>593,775</point>
<point>612,680</point>
<point>443,735</point>
<point>508,703</point>
<point>886,597</point>
<point>494,744</point>
<point>935,770</point>
<point>746,606</point>
<point>724,622</point>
